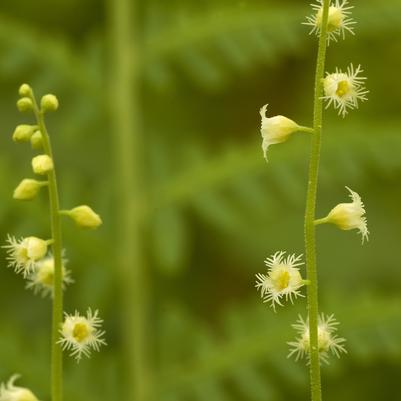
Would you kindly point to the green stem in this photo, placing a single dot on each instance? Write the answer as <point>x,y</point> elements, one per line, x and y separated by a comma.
<point>310,235</point>
<point>124,89</point>
<point>320,221</point>
<point>57,314</point>
<point>306,129</point>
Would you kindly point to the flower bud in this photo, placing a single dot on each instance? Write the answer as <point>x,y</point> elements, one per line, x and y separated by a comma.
<point>23,132</point>
<point>10,392</point>
<point>37,140</point>
<point>84,216</point>
<point>49,103</point>
<point>28,189</point>
<point>25,90</point>
<point>42,164</point>
<point>24,104</point>
<point>275,129</point>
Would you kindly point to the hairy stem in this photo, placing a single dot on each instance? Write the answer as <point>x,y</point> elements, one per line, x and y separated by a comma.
<point>127,143</point>
<point>57,314</point>
<point>310,234</point>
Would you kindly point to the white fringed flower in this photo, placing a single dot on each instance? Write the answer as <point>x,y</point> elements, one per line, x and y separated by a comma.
<point>42,278</point>
<point>327,340</point>
<point>79,334</point>
<point>275,129</point>
<point>283,279</point>
<point>10,392</point>
<point>339,20</point>
<point>349,216</point>
<point>23,254</point>
<point>344,90</point>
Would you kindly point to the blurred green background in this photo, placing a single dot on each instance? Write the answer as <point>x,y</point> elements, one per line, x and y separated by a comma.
<point>210,208</point>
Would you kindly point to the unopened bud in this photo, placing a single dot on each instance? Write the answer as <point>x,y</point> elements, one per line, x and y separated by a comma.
<point>36,140</point>
<point>24,104</point>
<point>42,164</point>
<point>84,216</point>
<point>25,90</point>
<point>23,132</point>
<point>28,189</point>
<point>49,103</point>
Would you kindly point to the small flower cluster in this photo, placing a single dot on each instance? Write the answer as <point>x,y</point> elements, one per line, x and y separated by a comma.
<point>30,256</point>
<point>344,90</point>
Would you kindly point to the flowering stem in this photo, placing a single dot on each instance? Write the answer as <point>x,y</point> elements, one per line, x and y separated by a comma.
<point>57,317</point>
<point>127,142</point>
<point>310,235</point>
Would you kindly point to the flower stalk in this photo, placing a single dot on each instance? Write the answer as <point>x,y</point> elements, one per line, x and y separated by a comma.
<point>57,311</point>
<point>126,116</point>
<point>310,234</point>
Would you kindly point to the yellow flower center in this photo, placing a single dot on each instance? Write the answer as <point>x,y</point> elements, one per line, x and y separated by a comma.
<point>80,332</point>
<point>282,280</point>
<point>47,278</point>
<point>343,88</point>
<point>22,254</point>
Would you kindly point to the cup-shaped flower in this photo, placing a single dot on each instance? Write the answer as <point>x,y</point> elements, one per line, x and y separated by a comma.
<point>28,188</point>
<point>349,216</point>
<point>83,216</point>
<point>42,164</point>
<point>276,129</point>
<point>328,341</point>
<point>23,132</point>
<point>344,89</point>
<point>10,392</point>
<point>283,279</point>
<point>41,280</point>
<point>80,334</point>
<point>338,22</point>
<point>23,254</point>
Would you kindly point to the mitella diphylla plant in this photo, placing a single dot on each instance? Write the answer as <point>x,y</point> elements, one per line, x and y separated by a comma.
<point>317,333</point>
<point>41,262</point>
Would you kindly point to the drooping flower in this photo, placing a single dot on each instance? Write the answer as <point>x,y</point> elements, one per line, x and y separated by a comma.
<point>79,334</point>
<point>349,216</point>
<point>283,279</point>
<point>10,392</point>
<point>24,253</point>
<point>344,90</point>
<point>328,341</point>
<point>277,129</point>
<point>338,22</point>
<point>42,278</point>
